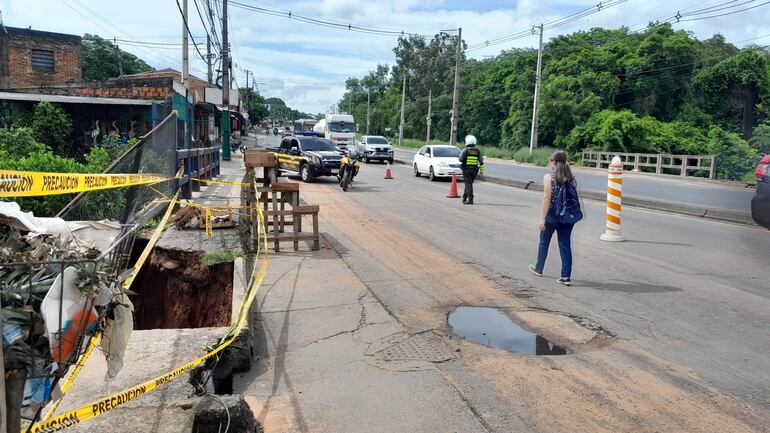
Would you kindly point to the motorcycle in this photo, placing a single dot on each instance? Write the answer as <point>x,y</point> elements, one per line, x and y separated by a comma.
<point>351,163</point>
<point>235,145</point>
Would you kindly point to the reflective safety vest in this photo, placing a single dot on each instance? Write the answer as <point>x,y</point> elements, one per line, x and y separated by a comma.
<point>472,157</point>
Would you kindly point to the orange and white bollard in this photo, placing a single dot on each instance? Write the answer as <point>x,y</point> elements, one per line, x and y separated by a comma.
<point>614,196</point>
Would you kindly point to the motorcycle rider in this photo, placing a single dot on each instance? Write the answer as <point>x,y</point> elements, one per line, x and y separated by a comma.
<point>471,163</point>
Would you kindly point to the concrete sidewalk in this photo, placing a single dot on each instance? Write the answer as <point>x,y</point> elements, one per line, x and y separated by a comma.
<point>319,369</point>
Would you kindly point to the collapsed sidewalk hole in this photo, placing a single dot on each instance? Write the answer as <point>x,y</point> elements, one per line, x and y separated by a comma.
<point>492,327</point>
<point>176,290</point>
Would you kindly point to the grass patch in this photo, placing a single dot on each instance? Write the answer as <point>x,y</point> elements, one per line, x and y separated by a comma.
<point>221,257</point>
<point>539,156</point>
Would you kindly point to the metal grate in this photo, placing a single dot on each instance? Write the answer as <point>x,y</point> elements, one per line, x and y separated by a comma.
<point>426,346</point>
<point>43,61</point>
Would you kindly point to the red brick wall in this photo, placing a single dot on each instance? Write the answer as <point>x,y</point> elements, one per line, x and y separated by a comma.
<point>66,61</point>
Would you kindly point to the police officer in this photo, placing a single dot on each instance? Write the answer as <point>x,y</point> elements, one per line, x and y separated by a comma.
<point>471,163</point>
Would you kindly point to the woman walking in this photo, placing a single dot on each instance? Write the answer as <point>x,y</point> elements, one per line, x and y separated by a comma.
<point>559,178</point>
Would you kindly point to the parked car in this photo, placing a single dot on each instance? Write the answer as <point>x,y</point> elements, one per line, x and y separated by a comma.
<point>437,161</point>
<point>376,148</point>
<point>760,204</point>
<point>308,157</point>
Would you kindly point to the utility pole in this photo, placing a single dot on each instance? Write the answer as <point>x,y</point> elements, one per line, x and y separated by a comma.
<point>117,53</point>
<point>185,47</point>
<point>430,103</point>
<point>536,107</point>
<point>368,101</point>
<point>401,126</point>
<point>225,86</point>
<point>456,93</point>
<point>210,75</point>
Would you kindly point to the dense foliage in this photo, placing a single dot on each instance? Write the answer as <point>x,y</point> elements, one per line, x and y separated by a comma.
<point>99,60</point>
<point>657,91</point>
<point>278,111</point>
<point>39,147</point>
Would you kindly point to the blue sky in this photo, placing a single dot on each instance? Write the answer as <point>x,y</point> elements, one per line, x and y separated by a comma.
<point>307,65</point>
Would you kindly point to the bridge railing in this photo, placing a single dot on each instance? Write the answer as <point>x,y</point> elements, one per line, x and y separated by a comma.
<point>681,165</point>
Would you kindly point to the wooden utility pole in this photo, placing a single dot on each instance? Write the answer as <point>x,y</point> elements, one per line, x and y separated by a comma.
<point>401,126</point>
<point>456,93</point>
<point>536,107</point>
<point>209,62</point>
<point>225,86</point>
<point>117,53</point>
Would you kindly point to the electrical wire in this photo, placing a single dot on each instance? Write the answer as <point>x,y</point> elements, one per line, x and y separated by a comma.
<point>724,14</point>
<point>331,24</point>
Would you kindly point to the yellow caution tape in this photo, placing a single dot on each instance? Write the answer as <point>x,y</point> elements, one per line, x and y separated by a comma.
<point>126,285</point>
<point>30,183</point>
<point>209,230</point>
<point>220,182</point>
<point>71,378</point>
<point>104,405</point>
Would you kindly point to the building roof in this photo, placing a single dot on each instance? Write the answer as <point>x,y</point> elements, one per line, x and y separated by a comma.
<point>37,97</point>
<point>28,32</point>
<point>161,73</point>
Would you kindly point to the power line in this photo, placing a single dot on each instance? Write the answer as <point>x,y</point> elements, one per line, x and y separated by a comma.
<point>203,23</point>
<point>547,25</point>
<point>330,24</point>
<point>724,14</point>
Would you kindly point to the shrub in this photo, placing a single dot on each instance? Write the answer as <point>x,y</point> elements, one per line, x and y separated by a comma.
<point>760,140</point>
<point>735,158</point>
<point>19,142</point>
<point>539,155</point>
<point>52,126</point>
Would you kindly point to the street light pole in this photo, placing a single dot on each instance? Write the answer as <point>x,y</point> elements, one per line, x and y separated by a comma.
<point>536,107</point>
<point>456,93</point>
<point>368,101</point>
<point>185,47</point>
<point>430,102</point>
<point>401,126</point>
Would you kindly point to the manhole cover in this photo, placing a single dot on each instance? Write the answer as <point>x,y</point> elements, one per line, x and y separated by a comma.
<point>404,352</point>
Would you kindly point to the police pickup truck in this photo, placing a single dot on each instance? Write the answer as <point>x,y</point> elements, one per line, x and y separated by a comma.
<point>308,157</point>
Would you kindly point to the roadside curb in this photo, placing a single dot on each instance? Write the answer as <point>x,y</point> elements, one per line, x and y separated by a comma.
<point>645,203</point>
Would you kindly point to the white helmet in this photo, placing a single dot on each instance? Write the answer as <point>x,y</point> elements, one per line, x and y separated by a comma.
<point>470,140</point>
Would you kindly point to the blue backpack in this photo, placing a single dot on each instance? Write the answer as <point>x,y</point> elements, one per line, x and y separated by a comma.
<point>567,204</point>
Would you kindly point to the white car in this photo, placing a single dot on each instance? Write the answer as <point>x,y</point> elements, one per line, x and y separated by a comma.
<point>376,148</point>
<point>437,161</point>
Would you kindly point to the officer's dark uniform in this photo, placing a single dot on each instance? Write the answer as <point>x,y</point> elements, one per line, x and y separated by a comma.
<point>470,161</point>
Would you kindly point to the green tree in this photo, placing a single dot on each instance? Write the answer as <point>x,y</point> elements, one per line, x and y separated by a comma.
<point>99,60</point>
<point>733,88</point>
<point>735,158</point>
<point>52,126</point>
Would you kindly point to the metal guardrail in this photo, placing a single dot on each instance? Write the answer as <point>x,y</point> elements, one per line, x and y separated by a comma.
<point>659,163</point>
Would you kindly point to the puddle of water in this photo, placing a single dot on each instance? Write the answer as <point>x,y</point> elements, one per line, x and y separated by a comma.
<point>492,327</point>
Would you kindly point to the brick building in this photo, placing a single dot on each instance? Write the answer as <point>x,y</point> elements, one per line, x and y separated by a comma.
<point>31,58</point>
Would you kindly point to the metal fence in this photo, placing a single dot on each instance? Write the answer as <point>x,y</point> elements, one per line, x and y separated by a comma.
<point>678,165</point>
<point>154,153</point>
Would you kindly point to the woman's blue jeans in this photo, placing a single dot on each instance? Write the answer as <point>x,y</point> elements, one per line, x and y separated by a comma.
<point>564,234</point>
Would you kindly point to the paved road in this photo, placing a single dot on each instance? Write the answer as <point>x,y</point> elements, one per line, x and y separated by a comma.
<point>649,187</point>
<point>683,304</point>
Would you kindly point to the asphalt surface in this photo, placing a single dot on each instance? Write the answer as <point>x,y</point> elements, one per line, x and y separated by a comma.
<point>690,292</point>
<point>690,192</point>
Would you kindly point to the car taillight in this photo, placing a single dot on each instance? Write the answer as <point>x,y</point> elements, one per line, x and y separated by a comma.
<point>761,170</point>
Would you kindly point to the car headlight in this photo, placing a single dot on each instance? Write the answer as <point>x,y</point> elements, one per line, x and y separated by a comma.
<point>317,160</point>
<point>443,164</point>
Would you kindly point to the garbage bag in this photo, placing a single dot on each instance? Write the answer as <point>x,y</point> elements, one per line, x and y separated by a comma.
<point>118,327</point>
<point>77,314</point>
